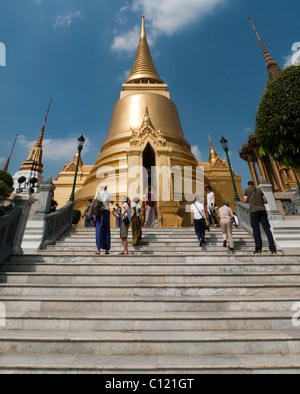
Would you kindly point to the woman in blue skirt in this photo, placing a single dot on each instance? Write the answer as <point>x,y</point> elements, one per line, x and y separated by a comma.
<point>103,237</point>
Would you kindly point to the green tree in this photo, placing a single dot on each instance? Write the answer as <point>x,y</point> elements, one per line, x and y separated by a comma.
<point>6,184</point>
<point>278,119</point>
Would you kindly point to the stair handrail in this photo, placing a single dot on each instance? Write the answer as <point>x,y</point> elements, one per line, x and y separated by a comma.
<point>57,223</point>
<point>243,214</point>
<point>9,227</point>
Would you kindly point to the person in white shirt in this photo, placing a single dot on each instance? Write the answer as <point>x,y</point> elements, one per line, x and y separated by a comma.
<point>211,206</point>
<point>199,220</point>
<point>103,236</point>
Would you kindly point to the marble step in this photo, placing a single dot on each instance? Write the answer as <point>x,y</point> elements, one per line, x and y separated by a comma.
<point>156,237</point>
<point>139,278</point>
<point>221,252</point>
<point>171,244</point>
<point>176,364</point>
<point>161,290</point>
<point>150,304</point>
<point>160,249</point>
<point>150,342</point>
<point>205,260</point>
<point>72,267</point>
<point>143,321</point>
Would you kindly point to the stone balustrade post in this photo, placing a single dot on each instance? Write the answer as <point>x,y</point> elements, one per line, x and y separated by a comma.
<point>44,203</point>
<point>271,207</point>
<point>23,200</point>
<point>296,199</point>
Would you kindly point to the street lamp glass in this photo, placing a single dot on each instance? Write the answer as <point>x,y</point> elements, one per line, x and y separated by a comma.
<point>224,143</point>
<point>81,141</point>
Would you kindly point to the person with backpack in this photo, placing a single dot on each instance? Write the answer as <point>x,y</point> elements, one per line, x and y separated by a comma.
<point>86,215</point>
<point>116,212</point>
<point>100,208</point>
<point>199,220</point>
<point>125,224</point>
<point>136,222</point>
<point>259,216</point>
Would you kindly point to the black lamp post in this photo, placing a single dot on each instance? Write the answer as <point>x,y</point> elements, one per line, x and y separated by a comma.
<point>81,141</point>
<point>224,144</point>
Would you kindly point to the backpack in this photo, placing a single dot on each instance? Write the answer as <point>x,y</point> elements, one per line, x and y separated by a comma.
<point>98,208</point>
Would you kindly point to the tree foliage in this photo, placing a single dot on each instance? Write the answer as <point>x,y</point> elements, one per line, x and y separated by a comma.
<point>6,184</point>
<point>278,119</point>
<point>6,178</point>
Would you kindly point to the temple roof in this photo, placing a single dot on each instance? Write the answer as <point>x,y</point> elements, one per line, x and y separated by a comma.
<point>34,160</point>
<point>143,68</point>
<point>214,159</point>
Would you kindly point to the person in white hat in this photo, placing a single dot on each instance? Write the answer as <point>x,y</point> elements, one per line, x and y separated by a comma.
<point>103,236</point>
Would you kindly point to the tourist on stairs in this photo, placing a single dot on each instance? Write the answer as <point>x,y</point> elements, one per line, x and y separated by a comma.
<point>227,219</point>
<point>103,236</point>
<point>211,206</point>
<point>259,216</point>
<point>136,222</point>
<point>199,220</point>
<point>125,224</point>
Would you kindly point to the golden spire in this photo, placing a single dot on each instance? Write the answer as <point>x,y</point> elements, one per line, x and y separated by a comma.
<point>143,68</point>
<point>34,160</point>
<point>273,69</point>
<point>214,158</point>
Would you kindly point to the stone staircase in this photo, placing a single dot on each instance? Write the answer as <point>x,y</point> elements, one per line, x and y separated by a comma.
<point>170,307</point>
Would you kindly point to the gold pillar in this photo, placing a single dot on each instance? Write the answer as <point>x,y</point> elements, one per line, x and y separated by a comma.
<point>262,167</point>
<point>253,170</point>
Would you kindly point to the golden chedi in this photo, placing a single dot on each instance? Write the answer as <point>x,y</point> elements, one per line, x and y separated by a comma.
<point>146,146</point>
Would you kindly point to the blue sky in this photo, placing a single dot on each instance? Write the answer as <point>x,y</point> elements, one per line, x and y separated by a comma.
<point>81,51</point>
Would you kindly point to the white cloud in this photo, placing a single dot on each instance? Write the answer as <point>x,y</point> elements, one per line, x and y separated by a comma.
<point>127,42</point>
<point>196,152</point>
<point>288,61</point>
<point>66,20</point>
<point>56,150</point>
<point>166,17</point>
<point>121,16</point>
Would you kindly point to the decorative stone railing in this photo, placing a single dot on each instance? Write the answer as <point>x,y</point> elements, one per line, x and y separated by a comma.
<point>286,232</point>
<point>9,225</point>
<point>56,224</point>
<point>243,214</point>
